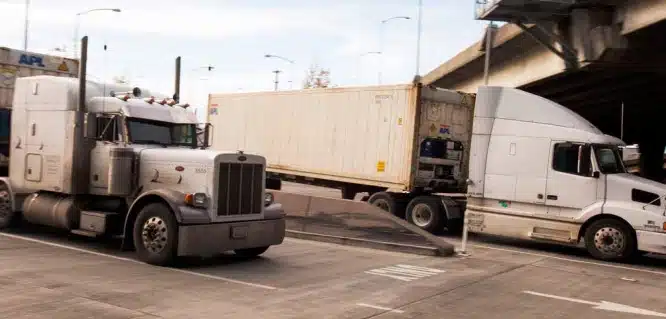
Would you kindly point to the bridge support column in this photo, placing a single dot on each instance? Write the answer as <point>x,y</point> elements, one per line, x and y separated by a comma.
<point>651,142</point>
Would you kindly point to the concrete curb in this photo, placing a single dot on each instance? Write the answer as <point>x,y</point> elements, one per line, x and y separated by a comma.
<point>367,243</point>
<point>306,206</point>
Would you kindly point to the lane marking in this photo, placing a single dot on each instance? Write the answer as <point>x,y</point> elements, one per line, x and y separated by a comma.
<point>602,305</point>
<point>405,272</point>
<point>380,308</point>
<point>91,252</point>
<point>654,272</point>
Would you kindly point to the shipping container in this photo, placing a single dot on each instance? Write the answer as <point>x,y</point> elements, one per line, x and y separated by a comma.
<point>18,63</point>
<point>362,139</point>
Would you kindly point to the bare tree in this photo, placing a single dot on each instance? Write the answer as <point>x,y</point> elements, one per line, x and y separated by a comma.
<point>317,77</point>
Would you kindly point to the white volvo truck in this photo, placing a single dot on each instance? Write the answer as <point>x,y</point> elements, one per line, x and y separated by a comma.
<point>530,168</point>
<point>101,163</point>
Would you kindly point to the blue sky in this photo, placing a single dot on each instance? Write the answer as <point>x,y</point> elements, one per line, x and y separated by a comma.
<point>233,36</point>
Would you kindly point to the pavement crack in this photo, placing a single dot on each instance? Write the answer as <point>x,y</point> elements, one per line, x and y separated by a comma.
<point>465,285</point>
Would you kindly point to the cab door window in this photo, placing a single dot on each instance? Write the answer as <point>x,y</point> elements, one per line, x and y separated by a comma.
<point>572,158</point>
<point>108,128</point>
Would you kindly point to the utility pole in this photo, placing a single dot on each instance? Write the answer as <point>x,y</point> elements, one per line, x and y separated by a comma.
<point>277,78</point>
<point>25,27</point>
<point>622,122</point>
<point>418,38</point>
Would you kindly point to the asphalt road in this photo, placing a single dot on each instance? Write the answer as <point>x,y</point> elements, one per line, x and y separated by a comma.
<point>47,275</point>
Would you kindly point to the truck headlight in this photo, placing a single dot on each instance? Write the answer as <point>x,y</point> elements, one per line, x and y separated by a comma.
<point>196,199</point>
<point>268,199</point>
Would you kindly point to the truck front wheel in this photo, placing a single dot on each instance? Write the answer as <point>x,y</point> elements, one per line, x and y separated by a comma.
<point>425,212</point>
<point>155,234</point>
<point>6,212</point>
<point>610,240</point>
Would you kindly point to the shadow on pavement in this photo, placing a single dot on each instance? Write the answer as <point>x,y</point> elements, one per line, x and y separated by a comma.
<point>355,223</point>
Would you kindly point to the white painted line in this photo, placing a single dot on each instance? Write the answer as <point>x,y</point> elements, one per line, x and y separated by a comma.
<point>379,308</point>
<point>404,272</point>
<point>86,251</point>
<point>561,298</point>
<point>654,272</point>
<point>602,305</point>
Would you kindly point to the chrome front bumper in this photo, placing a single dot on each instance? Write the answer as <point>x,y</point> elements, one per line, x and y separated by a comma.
<point>213,239</point>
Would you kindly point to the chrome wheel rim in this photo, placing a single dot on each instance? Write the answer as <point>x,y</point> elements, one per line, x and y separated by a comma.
<point>154,234</point>
<point>422,215</point>
<point>609,241</point>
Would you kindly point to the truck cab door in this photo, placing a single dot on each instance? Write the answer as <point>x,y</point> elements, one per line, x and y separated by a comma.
<point>571,184</point>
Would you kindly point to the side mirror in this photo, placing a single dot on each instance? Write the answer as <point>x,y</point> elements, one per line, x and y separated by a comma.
<point>208,135</point>
<point>596,174</point>
<point>90,125</point>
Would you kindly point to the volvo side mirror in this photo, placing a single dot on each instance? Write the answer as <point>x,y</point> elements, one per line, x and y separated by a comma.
<point>596,174</point>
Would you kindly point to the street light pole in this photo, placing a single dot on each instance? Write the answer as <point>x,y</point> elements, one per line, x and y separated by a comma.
<point>277,80</point>
<point>489,48</point>
<point>25,27</point>
<point>77,26</point>
<point>268,56</point>
<point>381,43</point>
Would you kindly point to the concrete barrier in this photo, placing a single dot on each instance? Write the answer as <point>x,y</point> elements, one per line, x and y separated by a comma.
<point>356,223</point>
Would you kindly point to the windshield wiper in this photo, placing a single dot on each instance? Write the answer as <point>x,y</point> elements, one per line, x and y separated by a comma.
<point>151,142</point>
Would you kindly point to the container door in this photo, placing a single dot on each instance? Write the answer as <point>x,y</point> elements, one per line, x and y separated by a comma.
<point>570,185</point>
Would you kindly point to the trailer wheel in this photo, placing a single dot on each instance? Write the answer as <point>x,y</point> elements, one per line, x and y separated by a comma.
<point>6,213</point>
<point>610,240</point>
<point>388,202</point>
<point>426,213</point>
<point>251,252</point>
<point>155,233</point>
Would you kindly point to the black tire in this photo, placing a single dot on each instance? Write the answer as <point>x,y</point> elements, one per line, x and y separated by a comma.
<point>7,215</point>
<point>610,240</point>
<point>251,252</point>
<point>422,205</point>
<point>392,203</point>
<point>156,219</point>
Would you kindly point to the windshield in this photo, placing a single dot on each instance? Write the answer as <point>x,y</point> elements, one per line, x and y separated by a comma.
<point>163,133</point>
<point>609,159</point>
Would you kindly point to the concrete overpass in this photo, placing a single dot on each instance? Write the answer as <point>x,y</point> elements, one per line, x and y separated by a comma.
<point>589,55</point>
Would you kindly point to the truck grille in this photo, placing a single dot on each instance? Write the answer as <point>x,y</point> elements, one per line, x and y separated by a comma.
<point>239,190</point>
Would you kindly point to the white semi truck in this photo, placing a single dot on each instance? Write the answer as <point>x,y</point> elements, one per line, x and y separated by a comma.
<point>99,162</point>
<point>529,168</point>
